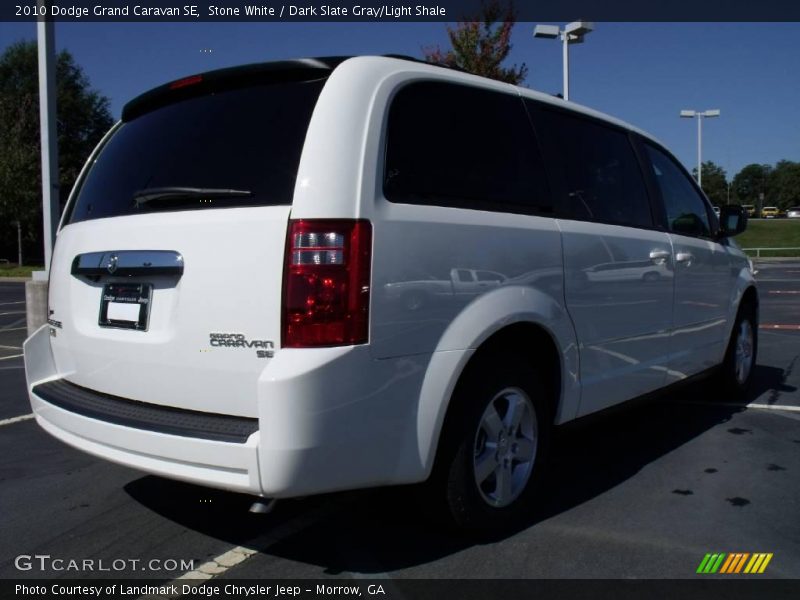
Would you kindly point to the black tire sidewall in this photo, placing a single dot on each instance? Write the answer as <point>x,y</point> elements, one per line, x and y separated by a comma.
<point>728,370</point>
<point>466,506</point>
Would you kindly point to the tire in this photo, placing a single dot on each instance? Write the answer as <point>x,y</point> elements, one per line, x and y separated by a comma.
<point>651,276</point>
<point>493,448</point>
<point>736,371</point>
<point>414,301</point>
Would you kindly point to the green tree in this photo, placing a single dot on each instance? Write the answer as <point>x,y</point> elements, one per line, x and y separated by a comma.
<point>750,182</point>
<point>784,184</point>
<point>715,182</point>
<point>481,44</point>
<point>83,117</point>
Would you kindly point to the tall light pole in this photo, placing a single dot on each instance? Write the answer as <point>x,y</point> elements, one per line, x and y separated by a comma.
<point>49,136</point>
<point>19,242</point>
<point>573,33</point>
<point>699,115</point>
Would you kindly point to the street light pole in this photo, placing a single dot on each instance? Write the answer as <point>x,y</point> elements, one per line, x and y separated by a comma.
<point>49,136</point>
<point>565,65</point>
<point>573,33</point>
<point>700,152</point>
<point>696,114</point>
<point>19,242</point>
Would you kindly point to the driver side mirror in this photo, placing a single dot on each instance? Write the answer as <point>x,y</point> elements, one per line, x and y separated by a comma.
<point>732,220</point>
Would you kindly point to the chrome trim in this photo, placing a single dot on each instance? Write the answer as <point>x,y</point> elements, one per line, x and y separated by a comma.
<point>659,257</point>
<point>122,263</point>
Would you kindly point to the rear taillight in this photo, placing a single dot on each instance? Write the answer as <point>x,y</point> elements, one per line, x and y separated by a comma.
<point>326,283</point>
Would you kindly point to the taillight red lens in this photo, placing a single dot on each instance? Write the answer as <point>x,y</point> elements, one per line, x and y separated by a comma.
<point>326,283</point>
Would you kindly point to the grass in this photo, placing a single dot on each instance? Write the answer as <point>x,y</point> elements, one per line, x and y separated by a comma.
<point>12,270</point>
<point>772,233</point>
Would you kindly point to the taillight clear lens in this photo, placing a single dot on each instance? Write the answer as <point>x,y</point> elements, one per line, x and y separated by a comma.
<point>326,283</point>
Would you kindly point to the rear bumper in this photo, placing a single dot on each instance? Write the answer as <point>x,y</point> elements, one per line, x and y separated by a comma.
<point>232,466</point>
<point>328,419</point>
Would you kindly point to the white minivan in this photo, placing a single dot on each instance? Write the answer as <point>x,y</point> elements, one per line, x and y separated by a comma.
<point>227,292</point>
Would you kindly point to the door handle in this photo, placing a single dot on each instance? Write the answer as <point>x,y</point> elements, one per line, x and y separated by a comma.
<point>659,257</point>
<point>128,262</point>
<point>684,257</point>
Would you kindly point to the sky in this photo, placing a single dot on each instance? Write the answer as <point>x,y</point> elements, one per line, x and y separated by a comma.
<point>643,73</point>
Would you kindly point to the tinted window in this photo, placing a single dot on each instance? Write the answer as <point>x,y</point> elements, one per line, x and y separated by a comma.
<point>454,145</point>
<point>245,139</point>
<point>685,208</point>
<point>596,168</point>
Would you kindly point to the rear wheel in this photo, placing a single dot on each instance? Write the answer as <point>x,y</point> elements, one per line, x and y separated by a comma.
<point>493,447</point>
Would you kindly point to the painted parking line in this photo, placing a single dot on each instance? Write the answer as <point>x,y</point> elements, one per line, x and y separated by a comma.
<point>10,347</point>
<point>13,312</point>
<point>239,554</point>
<point>753,405</point>
<point>784,292</point>
<point>10,357</point>
<point>788,407</point>
<point>18,419</point>
<point>779,326</point>
<point>7,303</point>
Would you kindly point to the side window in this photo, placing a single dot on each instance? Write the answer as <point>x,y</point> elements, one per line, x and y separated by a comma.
<point>686,210</point>
<point>596,167</point>
<point>453,145</point>
<point>489,276</point>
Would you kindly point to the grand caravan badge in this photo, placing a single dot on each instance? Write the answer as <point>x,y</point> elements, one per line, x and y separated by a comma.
<point>265,348</point>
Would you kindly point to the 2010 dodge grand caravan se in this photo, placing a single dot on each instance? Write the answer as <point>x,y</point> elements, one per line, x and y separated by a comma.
<point>227,302</point>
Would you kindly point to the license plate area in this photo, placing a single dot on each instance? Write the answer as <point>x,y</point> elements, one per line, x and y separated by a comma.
<point>125,305</point>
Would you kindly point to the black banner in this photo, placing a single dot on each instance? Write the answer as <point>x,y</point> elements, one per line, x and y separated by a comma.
<point>704,587</point>
<point>372,10</point>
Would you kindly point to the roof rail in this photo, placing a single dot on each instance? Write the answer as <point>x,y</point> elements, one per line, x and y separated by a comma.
<point>425,62</point>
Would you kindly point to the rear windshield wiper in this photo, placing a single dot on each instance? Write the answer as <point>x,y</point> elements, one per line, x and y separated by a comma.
<point>180,196</point>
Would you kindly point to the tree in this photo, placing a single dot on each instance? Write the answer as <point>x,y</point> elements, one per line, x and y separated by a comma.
<point>715,183</point>
<point>784,184</point>
<point>750,182</point>
<point>83,117</point>
<point>481,45</point>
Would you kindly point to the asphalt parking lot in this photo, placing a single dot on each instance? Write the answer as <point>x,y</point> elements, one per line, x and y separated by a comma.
<point>644,493</point>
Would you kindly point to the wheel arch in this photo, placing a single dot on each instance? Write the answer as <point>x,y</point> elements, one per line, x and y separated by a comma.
<point>537,327</point>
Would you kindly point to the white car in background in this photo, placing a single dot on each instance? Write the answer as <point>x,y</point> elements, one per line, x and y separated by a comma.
<point>793,213</point>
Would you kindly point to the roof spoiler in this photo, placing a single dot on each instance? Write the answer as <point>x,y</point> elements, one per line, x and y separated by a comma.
<point>304,69</point>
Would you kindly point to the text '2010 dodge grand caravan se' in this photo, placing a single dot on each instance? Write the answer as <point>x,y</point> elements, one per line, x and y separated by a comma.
<point>314,275</point>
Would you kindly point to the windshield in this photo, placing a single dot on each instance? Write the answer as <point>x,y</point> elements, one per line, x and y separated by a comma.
<point>241,139</point>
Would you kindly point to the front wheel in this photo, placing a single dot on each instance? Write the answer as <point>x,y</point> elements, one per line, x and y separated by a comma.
<point>736,372</point>
<point>493,447</point>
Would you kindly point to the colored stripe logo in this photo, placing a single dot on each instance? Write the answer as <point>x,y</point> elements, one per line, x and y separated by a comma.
<point>734,563</point>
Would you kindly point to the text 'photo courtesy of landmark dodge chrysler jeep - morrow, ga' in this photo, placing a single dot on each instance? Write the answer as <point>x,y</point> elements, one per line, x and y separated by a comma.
<point>312,275</point>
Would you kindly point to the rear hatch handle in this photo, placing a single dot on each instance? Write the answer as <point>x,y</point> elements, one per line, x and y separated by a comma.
<point>121,263</point>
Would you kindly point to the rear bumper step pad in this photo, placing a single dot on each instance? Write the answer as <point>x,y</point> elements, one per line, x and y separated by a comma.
<point>141,415</point>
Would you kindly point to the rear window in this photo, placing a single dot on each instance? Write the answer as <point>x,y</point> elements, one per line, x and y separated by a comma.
<point>246,139</point>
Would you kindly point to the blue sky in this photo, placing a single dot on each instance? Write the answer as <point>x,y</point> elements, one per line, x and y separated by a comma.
<point>644,73</point>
